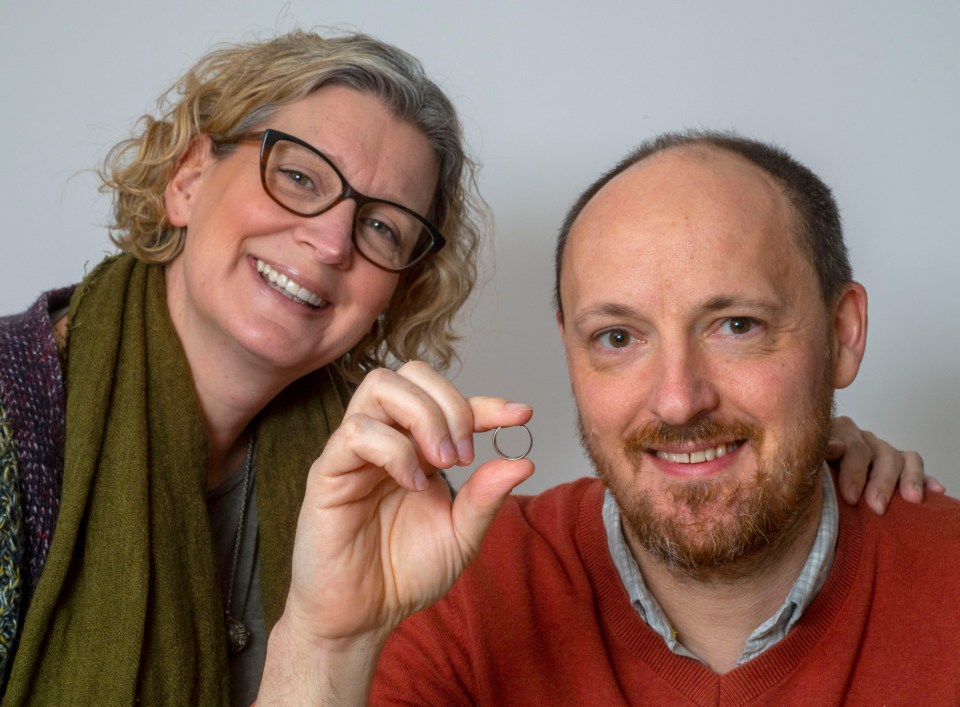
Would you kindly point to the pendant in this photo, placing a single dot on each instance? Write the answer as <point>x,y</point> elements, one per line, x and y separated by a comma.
<point>238,635</point>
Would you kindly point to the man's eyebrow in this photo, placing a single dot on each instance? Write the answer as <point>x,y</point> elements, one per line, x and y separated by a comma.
<point>718,303</point>
<point>724,302</point>
<point>604,309</point>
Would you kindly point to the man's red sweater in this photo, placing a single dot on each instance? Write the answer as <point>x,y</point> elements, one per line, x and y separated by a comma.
<point>542,618</point>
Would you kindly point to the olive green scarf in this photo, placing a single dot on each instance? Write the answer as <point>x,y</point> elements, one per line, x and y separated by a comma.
<point>128,606</point>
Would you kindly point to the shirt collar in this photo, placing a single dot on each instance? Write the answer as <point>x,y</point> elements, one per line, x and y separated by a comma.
<point>812,577</point>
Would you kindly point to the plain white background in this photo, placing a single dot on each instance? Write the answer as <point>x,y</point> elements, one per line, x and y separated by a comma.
<point>552,94</point>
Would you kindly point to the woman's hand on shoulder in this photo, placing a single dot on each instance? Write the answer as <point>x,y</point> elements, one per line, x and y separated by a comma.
<point>870,466</point>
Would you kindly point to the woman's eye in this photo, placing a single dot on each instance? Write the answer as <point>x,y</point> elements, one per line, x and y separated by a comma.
<point>738,326</point>
<point>615,339</point>
<point>382,230</point>
<point>299,178</point>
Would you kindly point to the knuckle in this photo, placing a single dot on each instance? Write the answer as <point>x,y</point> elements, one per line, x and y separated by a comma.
<point>377,377</point>
<point>413,365</point>
<point>356,425</point>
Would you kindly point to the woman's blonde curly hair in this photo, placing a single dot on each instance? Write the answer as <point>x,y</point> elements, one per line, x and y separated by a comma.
<point>237,88</point>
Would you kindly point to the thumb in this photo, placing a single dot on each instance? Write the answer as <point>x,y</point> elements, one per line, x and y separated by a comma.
<point>479,500</point>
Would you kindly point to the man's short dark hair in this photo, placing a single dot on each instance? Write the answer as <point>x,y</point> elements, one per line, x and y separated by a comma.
<point>819,231</point>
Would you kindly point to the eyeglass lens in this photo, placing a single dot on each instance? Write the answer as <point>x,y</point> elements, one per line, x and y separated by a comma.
<point>304,182</point>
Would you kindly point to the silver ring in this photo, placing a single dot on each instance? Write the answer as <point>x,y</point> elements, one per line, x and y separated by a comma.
<point>503,455</point>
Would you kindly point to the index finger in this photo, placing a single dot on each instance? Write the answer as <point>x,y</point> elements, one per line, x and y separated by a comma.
<point>463,417</point>
<point>419,401</point>
<point>490,412</point>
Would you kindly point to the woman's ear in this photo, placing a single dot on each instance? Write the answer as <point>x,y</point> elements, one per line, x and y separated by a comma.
<point>180,193</point>
<point>849,334</point>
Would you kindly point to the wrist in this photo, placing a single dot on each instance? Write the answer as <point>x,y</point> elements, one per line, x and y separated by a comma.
<point>302,669</point>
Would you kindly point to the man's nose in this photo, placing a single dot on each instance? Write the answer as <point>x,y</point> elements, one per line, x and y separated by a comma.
<point>682,386</point>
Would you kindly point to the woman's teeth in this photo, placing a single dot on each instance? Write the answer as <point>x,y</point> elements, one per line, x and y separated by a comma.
<point>287,287</point>
<point>703,455</point>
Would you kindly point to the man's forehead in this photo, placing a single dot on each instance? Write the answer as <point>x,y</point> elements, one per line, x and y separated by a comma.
<point>697,218</point>
<point>683,182</point>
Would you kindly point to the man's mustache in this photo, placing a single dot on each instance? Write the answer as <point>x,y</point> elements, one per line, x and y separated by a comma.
<point>705,431</point>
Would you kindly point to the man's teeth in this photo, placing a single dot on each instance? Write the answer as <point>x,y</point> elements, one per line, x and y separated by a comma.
<point>287,287</point>
<point>703,455</point>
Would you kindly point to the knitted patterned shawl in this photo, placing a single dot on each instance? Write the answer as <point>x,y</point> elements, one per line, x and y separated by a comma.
<point>31,454</point>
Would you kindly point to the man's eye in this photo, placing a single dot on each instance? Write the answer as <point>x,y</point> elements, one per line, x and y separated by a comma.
<point>615,339</point>
<point>738,326</point>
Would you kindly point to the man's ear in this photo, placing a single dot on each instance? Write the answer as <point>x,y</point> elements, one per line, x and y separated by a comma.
<point>849,334</point>
<point>180,193</point>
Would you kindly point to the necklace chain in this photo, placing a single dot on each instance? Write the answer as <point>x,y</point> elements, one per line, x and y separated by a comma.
<point>238,635</point>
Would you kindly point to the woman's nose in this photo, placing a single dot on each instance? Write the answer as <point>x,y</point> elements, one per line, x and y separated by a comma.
<point>329,235</point>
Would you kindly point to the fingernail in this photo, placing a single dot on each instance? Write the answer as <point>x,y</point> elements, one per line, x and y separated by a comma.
<point>419,480</point>
<point>447,455</point>
<point>852,493</point>
<point>517,407</point>
<point>881,503</point>
<point>465,450</point>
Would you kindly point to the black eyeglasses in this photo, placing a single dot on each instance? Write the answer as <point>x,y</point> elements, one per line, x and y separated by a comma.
<point>304,181</point>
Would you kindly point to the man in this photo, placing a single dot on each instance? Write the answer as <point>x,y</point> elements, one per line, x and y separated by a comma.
<point>708,312</point>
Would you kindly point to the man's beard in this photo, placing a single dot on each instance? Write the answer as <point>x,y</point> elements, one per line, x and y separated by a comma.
<point>720,529</point>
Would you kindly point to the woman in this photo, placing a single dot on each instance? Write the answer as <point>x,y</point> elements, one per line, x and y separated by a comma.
<point>218,237</point>
<point>281,222</point>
